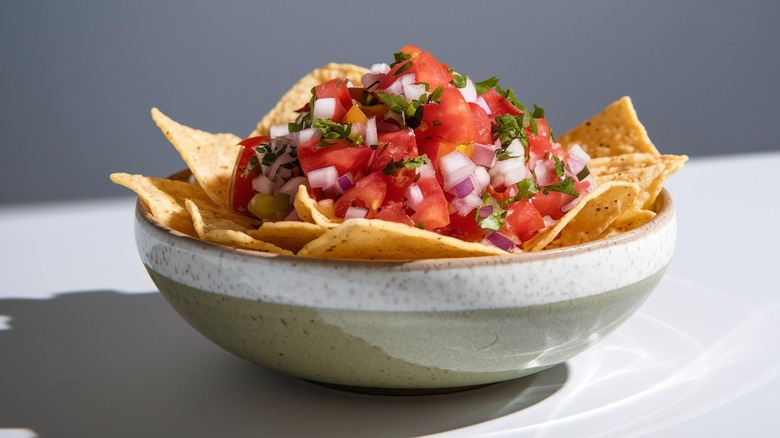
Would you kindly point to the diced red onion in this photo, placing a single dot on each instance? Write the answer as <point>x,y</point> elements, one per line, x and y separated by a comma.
<point>578,158</point>
<point>324,177</point>
<point>280,161</point>
<point>463,188</point>
<point>501,241</point>
<point>413,196</point>
<point>293,216</point>
<point>469,92</point>
<point>324,108</point>
<point>454,167</point>
<point>355,212</point>
<point>485,211</point>
<point>371,80</point>
<point>545,172</point>
<point>483,103</point>
<point>466,205</point>
<point>484,154</point>
<point>263,184</point>
<point>386,126</point>
<point>359,129</point>
<point>371,134</point>
<point>345,182</point>
<point>291,186</point>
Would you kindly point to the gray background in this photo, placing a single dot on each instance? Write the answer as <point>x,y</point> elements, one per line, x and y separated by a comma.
<point>77,78</point>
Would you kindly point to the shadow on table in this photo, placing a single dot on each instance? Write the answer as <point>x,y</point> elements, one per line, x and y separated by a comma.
<point>111,364</point>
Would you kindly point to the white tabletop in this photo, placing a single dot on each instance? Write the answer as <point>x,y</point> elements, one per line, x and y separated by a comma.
<point>89,348</point>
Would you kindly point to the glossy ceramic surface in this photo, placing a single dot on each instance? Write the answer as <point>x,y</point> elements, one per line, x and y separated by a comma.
<point>409,326</point>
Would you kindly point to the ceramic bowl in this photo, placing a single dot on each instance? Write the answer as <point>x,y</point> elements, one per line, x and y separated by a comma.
<point>421,326</point>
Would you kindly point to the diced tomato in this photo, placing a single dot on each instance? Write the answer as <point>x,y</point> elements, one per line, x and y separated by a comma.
<point>411,49</point>
<point>338,89</point>
<point>432,212</point>
<point>347,157</point>
<point>368,192</point>
<point>240,188</point>
<point>523,220</point>
<point>426,68</point>
<point>482,125</point>
<point>463,227</point>
<point>392,211</point>
<point>450,120</point>
<point>394,146</point>
<point>551,203</point>
<point>435,148</point>
<point>499,105</point>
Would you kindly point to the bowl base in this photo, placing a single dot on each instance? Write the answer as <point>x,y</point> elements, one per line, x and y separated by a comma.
<point>402,391</point>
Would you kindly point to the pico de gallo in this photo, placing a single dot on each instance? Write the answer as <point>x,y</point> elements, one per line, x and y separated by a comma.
<point>420,144</point>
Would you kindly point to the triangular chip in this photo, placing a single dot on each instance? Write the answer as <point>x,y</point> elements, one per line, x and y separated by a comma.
<point>614,131</point>
<point>210,157</point>
<point>588,219</point>
<point>208,228</point>
<point>309,210</point>
<point>212,217</point>
<point>647,170</point>
<point>300,93</point>
<point>628,221</point>
<point>164,199</point>
<point>291,235</point>
<point>372,239</point>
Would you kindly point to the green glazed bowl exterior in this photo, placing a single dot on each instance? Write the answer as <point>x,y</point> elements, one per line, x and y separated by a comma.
<point>418,326</point>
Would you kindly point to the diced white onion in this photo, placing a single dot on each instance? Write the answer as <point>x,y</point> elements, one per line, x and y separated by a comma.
<point>482,179</point>
<point>549,220</point>
<point>291,186</point>
<point>414,91</point>
<point>469,92</point>
<point>324,108</point>
<point>325,177</point>
<point>578,158</point>
<point>278,131</point>
<point>371,135</point>
<point>483,103</point>
<point>508,172</point>
<point>307,134</point>
<point>426,171</point>
<point>413,196</point>
<point>380,68</point>
<point>544,170</point>
<point>484,154</point>
<point>465,205</point>
<point>355,212</point>
<point>371,80</point>
<point>454,167</point>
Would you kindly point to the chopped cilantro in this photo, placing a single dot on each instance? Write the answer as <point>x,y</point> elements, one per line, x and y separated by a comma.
<point>583,173</point>
<point>558,166</point>
<point>459,80</point>
<point>566,186</point>
<point>487,84</point>
<point>526,190</point>
<point>495,219</point>
<point>411,163</point>
<point>538,112</point>
<point>334,131</point>
<point>400,57</point>
<point>402,69</point>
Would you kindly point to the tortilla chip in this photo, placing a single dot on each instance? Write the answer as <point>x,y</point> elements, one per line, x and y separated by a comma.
<point>207,225</point>
<point>309,210</point>
<point>588,219</point>
<point>615,131</point>
<point>628,221</point>
<point>164,199</point>
<point>647,170</point>
<point>210,157</point>
<point>372,239</point>
<point>290,235</point>
<point>300,94</point>
<point>213,217</point>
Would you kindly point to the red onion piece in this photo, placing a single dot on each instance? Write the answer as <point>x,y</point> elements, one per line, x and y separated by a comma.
<point>578,158</point>
<point>321,178</point>
<point>501,241</point>
<point>545,172</point>
<point>484,154</point>
<point>291,186</point>
<point>345,182</point>
<point>280,161</point>
<point>292,216</point>
<point>263,184</point>
<point>463,188</point>
<point>485,211</point>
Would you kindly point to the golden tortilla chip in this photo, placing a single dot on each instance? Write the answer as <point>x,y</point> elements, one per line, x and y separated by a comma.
<point>300,94</point>
<point>207,226</point>
<point>372,239</point>
<point>164,199</point>
<point>290,235</point>
<point>628,221</point>
<point>309,210</point>
<point>588,219</point>
<point>615,131</point>
<point>210,157</point>
<point>213,217</point>
<point>647,170</point>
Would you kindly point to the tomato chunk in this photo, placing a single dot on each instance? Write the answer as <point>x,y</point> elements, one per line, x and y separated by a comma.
<point>368,192</point>
<point>345,156</point>
<point>240,189</point>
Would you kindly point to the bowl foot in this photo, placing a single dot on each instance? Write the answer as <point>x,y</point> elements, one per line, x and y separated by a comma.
<point>401,391</point>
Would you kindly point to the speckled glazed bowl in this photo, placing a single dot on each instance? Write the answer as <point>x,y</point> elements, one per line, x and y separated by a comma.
<point>433,325</point>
